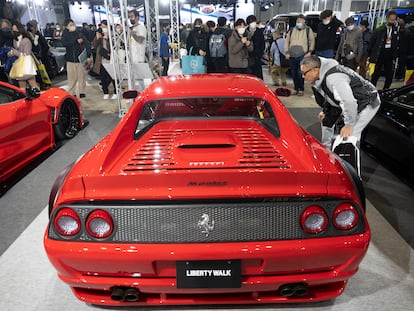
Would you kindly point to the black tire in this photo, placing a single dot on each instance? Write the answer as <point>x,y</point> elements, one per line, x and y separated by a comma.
<point>67,124</point>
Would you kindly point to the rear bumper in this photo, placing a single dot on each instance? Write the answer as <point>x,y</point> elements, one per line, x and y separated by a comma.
<point>324,265</point>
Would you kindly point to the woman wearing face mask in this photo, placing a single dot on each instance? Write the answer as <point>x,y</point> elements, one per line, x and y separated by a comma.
<point>57,34</point>
<point>23,45</point>
<point>326,39</point>
<point>239,48</point>
<point>75,43</point>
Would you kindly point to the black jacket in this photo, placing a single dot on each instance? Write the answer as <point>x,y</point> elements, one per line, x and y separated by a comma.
<point>377,46</point>
<point>73,48</point>
<point>326,35</point>
<point>197,40</point>
<point>258,44</point>
<point>6,38</point>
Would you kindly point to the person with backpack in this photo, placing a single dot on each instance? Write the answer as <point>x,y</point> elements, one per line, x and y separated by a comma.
<point>218,46</point>
<point>280,64</point>
<point>300,42</point>
<point>344,96</point>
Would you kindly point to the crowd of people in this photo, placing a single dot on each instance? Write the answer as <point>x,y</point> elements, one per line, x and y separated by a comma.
<point>389,47</point>
<point>88,49</point>
<point>235,46</point>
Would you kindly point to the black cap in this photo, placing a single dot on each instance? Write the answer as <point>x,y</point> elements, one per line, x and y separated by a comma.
<point>198,21</point>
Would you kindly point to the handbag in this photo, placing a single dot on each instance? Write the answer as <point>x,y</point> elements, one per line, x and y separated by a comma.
<point>193,64</point>
<point>284,63</point>
<point>104,53</point>
<point>41,68</point>
<point>347,149</point>
<point>83,60</point>
<point>23,67</point>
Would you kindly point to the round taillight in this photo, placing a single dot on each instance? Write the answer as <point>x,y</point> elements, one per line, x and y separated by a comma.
<point>99,224</point>
<point>345,217</point>
<point>67,222</point>
<point>314,219</point>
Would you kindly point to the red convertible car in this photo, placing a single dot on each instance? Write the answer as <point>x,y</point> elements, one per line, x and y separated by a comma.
<point>207,192</point>
<point>30,124</point>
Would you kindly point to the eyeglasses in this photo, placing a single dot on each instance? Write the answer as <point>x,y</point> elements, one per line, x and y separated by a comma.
<point>306,72</point>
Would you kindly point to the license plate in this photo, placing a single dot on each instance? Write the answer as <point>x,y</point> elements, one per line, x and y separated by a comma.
<point>209,274</point>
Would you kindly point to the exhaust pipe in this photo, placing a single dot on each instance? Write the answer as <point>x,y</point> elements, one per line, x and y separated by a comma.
<point>301,290</point>
<point>131,294</point>
<point>294,289</point>
<point>287,290</point>
<point>117,294</point>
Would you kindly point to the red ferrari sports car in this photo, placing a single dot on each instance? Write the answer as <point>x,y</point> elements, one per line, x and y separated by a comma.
<point>207,192</point>
<point>30,124</point>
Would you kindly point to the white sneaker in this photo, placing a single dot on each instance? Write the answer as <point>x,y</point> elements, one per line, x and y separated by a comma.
<point>114,96</point>
<point>106,96</point>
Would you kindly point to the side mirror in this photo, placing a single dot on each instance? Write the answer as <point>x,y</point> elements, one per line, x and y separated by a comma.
<point>130,94</point>
<point>32,93</point>
<point>283,92</point>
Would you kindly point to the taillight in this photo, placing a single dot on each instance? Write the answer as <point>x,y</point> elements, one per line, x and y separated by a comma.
<point>314,219</point>
<point>67,222</point>
<point>345,217</point>
<point>99,224</point>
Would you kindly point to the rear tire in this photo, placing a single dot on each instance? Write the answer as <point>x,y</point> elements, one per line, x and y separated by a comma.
<point>67,124</point>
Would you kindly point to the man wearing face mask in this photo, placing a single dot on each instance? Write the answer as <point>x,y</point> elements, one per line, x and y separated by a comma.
<point>239,48</point>
<point>300,42</point>
<point>326,34</point>
<point>256,36</point>
<point>384,49</point>
<point>75,43</point>
<point>138,37</point>
<point>351,47</point>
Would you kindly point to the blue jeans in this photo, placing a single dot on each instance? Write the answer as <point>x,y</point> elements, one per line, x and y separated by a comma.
<point>298,80</point>
<point>325,53</point>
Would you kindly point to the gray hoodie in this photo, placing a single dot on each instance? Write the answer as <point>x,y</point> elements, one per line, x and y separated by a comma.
<point>339,84</point>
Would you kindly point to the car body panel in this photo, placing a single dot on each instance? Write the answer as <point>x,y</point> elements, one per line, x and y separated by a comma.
<point>156,182</point>
<point>26,126</point>
<point>391,133</point>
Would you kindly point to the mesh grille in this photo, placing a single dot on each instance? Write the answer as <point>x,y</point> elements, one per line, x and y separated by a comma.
<point>180,223</point>
<point>156,153</point>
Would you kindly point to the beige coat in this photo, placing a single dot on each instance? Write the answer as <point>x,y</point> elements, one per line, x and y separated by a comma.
<point>299,42</point>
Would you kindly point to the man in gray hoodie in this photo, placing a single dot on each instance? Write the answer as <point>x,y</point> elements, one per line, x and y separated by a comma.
<point>343,95</point>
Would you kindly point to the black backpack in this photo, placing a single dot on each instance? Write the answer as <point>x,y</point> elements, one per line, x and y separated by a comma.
<point>218,45</point>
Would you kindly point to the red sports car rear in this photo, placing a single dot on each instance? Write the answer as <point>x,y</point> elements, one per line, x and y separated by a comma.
<point>208,195</point>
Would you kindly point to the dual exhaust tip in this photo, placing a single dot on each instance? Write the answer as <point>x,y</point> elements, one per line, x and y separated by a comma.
<point>132,294</point>
<point>293,290</point>
<point>124,294</point>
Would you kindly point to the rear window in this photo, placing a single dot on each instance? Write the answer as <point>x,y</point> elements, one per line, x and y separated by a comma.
<point>207,107</point>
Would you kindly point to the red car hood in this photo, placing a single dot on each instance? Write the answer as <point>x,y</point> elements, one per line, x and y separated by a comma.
<point>194,159</point>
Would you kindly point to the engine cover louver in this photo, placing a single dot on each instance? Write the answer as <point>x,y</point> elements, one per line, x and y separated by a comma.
<point>162,151</point>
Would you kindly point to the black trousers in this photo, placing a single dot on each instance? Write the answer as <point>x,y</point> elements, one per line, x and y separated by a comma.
<point>106,79</point>
<point>165,66</point>
<point>384,63</point>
